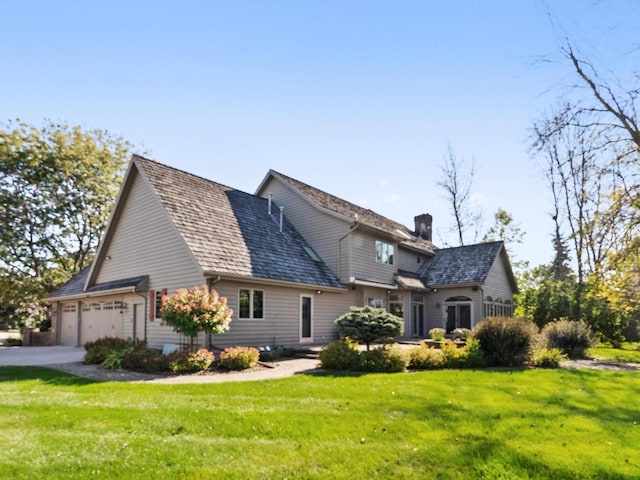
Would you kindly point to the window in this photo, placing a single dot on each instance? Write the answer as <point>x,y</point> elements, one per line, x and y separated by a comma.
<point>395,305</point>
<point>251,304</point>
<point>376,302</point>
<point>384,252</point>
<point>158,304</point>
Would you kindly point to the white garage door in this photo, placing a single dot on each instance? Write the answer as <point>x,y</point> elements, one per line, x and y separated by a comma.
<point>100,319</point>
<point>69,325</point>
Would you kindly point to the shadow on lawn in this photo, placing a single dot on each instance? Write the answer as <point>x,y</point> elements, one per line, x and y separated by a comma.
<point>46,375</point>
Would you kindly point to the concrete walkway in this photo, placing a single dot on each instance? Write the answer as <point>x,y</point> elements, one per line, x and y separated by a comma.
<point>37,356</point>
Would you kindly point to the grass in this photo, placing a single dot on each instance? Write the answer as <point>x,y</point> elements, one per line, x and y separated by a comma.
<point>555,424</point>
<point>629,352</point>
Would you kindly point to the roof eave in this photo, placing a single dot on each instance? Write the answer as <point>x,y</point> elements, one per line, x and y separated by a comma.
<point>99,293</point>
<point>270,281</point>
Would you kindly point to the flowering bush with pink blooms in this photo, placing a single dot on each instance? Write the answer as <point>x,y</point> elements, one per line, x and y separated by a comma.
<point>239,358</point>
<point>196,310</point>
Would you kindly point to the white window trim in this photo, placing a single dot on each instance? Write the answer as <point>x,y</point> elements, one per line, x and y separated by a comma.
<point>251,317</point>
<point>305,339</point>
<point>391,259</point>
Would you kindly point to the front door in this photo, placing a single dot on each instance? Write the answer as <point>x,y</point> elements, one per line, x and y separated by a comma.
<point>306,318</point>
<point>417,319</point>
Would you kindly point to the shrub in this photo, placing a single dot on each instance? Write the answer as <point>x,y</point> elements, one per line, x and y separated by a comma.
<point>113,360</point>
<point>471,355</point>
<point>190,362</point>
<point>437,334</point>
<point>145,360</point>
<point>424,357</point>
<point>98,350</point>
<point>383,360</point>
<point>368,325</point>
<point>14,342</point>
<point>506,341</point>
<point>572,338</point>
<point>548,358</point>
<point>340,355</point>
<point>239,358</point>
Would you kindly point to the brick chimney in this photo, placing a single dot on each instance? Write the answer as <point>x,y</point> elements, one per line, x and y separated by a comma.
<point>423,226</point>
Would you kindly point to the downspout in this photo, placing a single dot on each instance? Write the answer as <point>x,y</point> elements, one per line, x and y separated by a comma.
<point>212,281</point>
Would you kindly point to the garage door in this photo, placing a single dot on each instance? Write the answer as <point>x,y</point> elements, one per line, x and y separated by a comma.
<point>69,325</point>
<point>100,319</point>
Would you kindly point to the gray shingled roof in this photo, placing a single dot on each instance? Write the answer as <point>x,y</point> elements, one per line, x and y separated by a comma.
<point>460,265</point>
<point>231,232</point>
<point>75,285</point>
<point>364,215</point>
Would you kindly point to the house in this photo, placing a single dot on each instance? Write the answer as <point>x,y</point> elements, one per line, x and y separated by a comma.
<point>289,259</point>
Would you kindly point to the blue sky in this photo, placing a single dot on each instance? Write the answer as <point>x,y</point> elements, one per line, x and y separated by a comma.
<point>358,98</point>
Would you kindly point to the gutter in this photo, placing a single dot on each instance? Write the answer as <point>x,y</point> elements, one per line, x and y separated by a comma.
<point>99,293</point>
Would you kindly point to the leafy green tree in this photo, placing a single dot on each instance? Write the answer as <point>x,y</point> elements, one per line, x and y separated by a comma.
<point>368,325</point>
<point>57,187</point>
<point>506,229</point>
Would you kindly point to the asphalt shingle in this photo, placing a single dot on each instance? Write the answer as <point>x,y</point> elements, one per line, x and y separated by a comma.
<point>229,231</point>
<point>460,265</point>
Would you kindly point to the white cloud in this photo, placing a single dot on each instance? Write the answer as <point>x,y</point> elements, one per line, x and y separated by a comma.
<point>384,183</point>
<point>394,198</point>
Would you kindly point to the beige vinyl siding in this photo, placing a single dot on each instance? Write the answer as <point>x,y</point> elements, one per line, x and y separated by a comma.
<point>364,264</point>
<point>321,230</point>
<point>497,284</point>
<point>146,242</point>
<point>408,260</point>
<point>281,322</point>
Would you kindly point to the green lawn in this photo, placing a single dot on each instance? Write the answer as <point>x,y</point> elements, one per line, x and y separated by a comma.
<point>629,352</point>
<point>536,424</point>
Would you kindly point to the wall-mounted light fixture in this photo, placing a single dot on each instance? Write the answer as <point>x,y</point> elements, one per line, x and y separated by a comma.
<point>437,304</point>
<point>108,257</point>
<point>318,292</point>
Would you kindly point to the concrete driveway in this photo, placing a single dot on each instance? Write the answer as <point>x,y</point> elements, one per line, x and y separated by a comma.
<point>23,356</point>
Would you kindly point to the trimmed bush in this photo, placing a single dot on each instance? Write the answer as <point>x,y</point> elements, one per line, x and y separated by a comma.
<point>548,358</point>
<point>383,360</point>
<point>239,358</point>
<point>368,325</point>
<point>506,342</point>
<point>340,355</point>
<point>424,357</point>
<point>437,334</point>
<point>13,342</point>
<point>190,362</point>
<point>570,337</point>
<point>99,350</point>
<point>145,360</point>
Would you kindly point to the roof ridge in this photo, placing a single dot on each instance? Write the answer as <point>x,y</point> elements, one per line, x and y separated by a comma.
<point>287,177</point>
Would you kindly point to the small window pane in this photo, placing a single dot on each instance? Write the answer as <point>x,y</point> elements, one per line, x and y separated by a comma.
<point>257,304</point>
<point>244,306</point>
